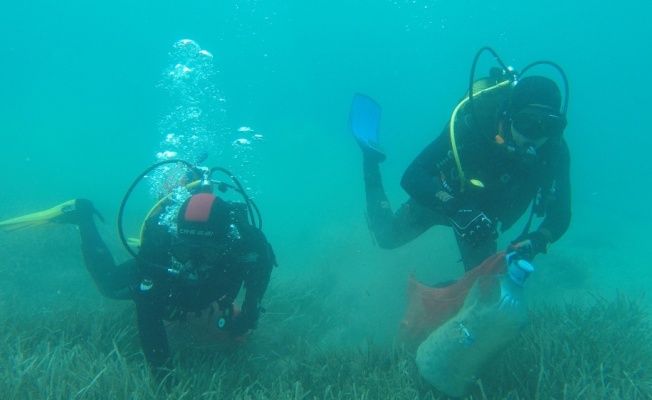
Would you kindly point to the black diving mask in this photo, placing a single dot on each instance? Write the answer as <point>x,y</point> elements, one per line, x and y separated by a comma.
<point>537,122</point>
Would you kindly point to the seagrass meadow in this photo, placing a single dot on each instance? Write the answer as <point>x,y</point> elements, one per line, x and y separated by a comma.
<point>89,350</point>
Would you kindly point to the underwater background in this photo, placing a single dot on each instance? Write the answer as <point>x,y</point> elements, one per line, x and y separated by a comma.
<point>83,97</point>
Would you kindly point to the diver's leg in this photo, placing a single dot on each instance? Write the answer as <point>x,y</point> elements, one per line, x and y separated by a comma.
<point>472,256</point>
<point>390,229</point>
<point>113,281</point>
<point>379,210</point>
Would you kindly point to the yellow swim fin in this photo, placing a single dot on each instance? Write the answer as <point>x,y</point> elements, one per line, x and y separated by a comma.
<point>37,218</point>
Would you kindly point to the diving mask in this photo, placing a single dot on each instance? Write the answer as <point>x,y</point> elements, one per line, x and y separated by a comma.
<point>536,122</point>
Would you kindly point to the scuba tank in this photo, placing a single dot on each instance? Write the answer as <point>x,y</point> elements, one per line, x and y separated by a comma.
<point>196,179</point>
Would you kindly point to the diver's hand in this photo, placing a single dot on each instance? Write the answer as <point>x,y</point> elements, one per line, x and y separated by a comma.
<point>242,324</point>
<point>474,226</point>
<point>534,243</point>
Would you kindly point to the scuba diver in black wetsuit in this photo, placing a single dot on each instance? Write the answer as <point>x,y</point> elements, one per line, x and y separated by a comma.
<point>502,150</point>
<point>212,248</point>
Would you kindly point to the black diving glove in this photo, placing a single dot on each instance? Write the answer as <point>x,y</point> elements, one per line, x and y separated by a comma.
<point>243,323</point>
<point>532,244</point>
<point>474,226</point>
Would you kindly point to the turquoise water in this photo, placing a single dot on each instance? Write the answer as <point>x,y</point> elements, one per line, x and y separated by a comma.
<point>81,104</point>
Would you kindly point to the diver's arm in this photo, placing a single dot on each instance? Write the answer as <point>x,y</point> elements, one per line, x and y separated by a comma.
<point>257,279</point>
<point>558,213</point>
<point>152,334</point>
<point>422,179</point>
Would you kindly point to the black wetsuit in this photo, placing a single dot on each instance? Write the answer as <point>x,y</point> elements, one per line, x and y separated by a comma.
<point>249,262</point>
<point>511,180</point>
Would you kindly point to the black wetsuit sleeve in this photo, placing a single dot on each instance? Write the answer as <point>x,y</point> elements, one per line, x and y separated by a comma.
<point>153,257</point>
<point>257,278</point>
<point>558,212</point>
<point>152,333</point>
<point>422,179</point>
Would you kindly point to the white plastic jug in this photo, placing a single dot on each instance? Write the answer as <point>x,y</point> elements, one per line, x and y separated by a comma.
<point>453,356</point>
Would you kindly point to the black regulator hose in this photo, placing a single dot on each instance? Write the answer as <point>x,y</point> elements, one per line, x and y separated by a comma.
<point>515,76</point>
<point>252,208</point>
<point>123,239</point>
<point>564,106</point>
<point>256,219</point>
<point>503,66</point>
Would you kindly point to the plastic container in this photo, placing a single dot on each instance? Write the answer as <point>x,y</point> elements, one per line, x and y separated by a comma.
<point>453,357</point>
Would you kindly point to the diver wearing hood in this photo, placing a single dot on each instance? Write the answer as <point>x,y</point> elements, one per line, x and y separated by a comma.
<point>200,265</point>
<point>491,161</point>
<point>211,256</point>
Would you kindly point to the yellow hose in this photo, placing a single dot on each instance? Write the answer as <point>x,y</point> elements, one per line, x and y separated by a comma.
<point>163,199</point>
<point>456,155</point>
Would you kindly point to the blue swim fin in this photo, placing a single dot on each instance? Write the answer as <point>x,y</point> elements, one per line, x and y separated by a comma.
<point>364,119</point>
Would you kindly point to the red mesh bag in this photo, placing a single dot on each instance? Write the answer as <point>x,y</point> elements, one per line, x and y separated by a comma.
<point>429,307</point>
